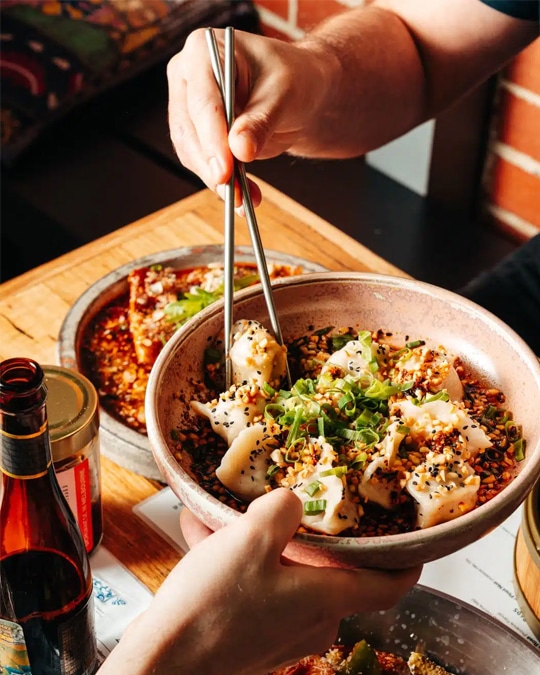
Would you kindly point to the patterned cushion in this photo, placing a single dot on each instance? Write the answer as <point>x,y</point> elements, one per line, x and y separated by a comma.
<point>56,54</point>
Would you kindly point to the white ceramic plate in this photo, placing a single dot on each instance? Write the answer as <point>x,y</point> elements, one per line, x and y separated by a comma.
<point>120,443</point>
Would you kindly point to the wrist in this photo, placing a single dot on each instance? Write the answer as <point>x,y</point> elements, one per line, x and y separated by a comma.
<point>320,81</point>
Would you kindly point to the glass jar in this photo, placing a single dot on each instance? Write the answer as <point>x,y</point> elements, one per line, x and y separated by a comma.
<point>73,412</point>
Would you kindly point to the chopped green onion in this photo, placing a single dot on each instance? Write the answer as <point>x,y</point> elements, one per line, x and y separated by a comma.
<point>335,471</point>
<point>406,386</point>
<point>365,418</point>
<point>415,343</point>
<point>347,402</point>
<point>490,411</point>
<point>302,387</point>
<point>295,427</point>
<point>359,461</point>
<point>380,390</point>
<point>273,411</point>
<point>313,488</point>
<point>401,352</point>
<point>512,431</point>
<point>365,435</point>
<point>268,389</point>
<point>339,341</point>
<point>439,396</point>
<point>315,507</point>
<point>519,450</point>
<point>403,429</point>
<point>369,436</point>
<point>350,434</point>
<point>292,454</point>
<point>272,470</point>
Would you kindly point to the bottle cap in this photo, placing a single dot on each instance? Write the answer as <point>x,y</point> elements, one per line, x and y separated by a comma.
<point>72,410</point>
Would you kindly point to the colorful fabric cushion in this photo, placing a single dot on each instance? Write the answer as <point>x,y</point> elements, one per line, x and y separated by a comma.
<point>55,54</point>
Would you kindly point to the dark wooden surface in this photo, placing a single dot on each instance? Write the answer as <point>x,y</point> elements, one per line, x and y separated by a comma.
<point>112,162</point>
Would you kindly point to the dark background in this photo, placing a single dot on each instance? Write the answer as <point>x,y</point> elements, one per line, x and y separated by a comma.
<point>112,162</point>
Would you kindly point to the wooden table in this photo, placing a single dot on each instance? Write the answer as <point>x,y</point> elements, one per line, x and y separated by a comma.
<point>33,306</point>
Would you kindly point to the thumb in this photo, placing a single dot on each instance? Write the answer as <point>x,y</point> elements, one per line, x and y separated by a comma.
<point>193,529</point>
<point>276,517</point>
<point>254,128</point>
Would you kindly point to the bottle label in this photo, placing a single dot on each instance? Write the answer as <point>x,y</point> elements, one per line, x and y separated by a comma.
<point>77,642</point>
<point>13,653</point>
<point>24,456</point>
<point>75,484</point>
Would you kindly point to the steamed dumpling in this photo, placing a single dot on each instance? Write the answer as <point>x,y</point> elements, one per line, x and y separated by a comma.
<point>233,411</point>
<point>375,486</point>
<point>434,416</point>
<point>256,357</point>
<point>243,467</point>
<point>354,358</point>
<point>339,512</point>
<point>443,488</point>
<point>433,367</point>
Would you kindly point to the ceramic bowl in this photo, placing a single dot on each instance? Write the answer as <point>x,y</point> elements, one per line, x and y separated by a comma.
<point>487,347</point>
<point>119,442</point>
<point>454,634</point>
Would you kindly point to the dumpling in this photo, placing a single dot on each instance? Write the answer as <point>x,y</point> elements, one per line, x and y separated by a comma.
<point>256,357</point>
<point>315,484</point>
<point>233,411</point>
<point>354,358</point>
<point>243,467</point>
<point>374,485</point>
<point>432,367</point>
<point>444,416</point>
<point>443,489</point>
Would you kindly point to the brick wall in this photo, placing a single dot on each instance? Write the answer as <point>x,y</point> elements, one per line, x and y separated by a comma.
<point>290,19</point>
<point>512,176</point>
<point>511,194</point>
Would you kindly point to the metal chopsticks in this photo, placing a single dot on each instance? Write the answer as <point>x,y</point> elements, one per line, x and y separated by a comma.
<point>226,86</point>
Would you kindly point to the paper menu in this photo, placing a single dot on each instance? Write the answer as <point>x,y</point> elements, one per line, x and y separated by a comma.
<point>119,597</point>
<point>162,513</point>
<point>482,574</point>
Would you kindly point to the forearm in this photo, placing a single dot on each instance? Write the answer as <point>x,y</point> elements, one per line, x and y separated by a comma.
<point>371,68</point>
<point>157,643</point>
<point>392,65</point>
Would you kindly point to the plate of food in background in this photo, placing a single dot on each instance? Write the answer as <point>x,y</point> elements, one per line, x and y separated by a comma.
<point>426,633</point>
<point>116,329</point>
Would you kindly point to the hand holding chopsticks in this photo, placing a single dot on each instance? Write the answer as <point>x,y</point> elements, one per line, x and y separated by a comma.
<point>226,83</point>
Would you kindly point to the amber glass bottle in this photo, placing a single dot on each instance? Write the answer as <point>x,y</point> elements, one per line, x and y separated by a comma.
<point>46,602</point>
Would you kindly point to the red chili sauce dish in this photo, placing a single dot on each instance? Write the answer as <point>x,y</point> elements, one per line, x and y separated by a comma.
<point>121,343</point>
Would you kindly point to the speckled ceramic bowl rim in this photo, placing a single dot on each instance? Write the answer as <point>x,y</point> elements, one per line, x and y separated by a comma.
<point>506,502</point>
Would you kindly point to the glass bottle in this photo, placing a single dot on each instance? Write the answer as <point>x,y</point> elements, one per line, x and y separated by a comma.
<point>46,601</point>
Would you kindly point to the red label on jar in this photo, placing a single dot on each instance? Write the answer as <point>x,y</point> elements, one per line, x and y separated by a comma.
<point>75,484</point>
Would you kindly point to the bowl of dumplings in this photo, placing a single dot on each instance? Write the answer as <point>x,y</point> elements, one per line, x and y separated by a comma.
<point>404,417</point>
